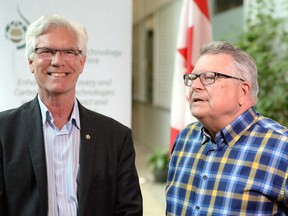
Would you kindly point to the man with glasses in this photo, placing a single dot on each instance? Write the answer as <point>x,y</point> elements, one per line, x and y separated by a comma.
<point>233,161</point>
<point>56,156</point>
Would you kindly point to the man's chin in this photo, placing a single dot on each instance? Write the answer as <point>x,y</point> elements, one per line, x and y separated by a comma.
<point>196,112</point>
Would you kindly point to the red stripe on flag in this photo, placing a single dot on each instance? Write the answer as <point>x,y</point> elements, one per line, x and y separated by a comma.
<point>173,134</point>
<point>203,6</point>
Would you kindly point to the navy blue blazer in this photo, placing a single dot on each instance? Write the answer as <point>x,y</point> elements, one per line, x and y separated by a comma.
<point>108,180</point>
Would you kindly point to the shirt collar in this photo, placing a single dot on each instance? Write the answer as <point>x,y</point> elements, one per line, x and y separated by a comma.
<point>207,137</point>
<point>233,131</point>
<point>45,113</point>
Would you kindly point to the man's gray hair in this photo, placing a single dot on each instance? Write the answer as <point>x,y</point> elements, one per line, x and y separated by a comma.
<point>244,64</point>
<point>46,22</point>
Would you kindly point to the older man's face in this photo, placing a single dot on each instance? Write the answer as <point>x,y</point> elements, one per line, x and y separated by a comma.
<point>218,102</point>
<point>58,74</point>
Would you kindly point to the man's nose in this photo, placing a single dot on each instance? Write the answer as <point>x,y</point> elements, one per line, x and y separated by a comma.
<point>197,83</point>
<point>58,57</point>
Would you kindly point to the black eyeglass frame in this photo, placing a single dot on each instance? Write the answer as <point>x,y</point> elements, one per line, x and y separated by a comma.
<point>187,77</point>
<point>53,51</point>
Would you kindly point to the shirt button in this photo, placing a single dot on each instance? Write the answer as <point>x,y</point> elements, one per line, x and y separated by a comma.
<point>197,208</point>
<point>205,177</point>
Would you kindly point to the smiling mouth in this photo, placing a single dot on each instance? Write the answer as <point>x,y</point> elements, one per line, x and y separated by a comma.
<point>57,74</point>
<point>197,100</point>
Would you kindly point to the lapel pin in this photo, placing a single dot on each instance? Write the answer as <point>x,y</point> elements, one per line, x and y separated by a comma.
<point>88,137</point>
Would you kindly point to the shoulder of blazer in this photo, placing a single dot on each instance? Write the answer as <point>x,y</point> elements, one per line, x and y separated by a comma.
<point>11,116</point>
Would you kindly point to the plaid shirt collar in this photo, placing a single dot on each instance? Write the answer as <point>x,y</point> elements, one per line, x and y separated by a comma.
<point>231,133</point>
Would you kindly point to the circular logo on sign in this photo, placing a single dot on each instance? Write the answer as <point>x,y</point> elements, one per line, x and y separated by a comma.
<point>15,32</point>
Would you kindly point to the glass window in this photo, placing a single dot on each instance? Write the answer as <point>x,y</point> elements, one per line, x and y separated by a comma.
<point>223,5</point>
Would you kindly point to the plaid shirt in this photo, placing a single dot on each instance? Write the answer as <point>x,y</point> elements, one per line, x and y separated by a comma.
<point>244,172</point>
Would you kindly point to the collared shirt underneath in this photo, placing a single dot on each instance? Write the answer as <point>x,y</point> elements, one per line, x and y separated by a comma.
<point>244,172</point>
<point>62,162</point>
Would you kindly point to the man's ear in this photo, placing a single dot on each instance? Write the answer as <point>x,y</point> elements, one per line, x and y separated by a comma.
<point>31,65</point>
<point>82,62</point>
<point>245,89</point>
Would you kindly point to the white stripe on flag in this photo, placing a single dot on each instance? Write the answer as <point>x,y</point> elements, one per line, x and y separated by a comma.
<point>194,31</point>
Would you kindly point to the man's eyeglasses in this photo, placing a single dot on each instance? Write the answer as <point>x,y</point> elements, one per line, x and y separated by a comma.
<point>206,78</point>
<point>48,53</point>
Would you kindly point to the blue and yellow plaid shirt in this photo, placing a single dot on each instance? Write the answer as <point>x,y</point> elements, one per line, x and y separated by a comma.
<point>244,172</point>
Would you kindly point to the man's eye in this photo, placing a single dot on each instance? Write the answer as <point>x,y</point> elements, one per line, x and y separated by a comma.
<point>209,76</point>
<point>69,52</point>
<point>192,78</point>
<point>46,51</point>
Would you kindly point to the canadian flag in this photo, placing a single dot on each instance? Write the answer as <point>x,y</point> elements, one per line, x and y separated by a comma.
<point>194,31</point>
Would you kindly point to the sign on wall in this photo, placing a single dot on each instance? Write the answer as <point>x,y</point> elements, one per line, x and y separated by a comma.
<point>105,84</point>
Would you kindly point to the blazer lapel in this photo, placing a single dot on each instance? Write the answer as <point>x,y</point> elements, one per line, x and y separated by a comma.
<point>86,161</point>
<point>32,125</point>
